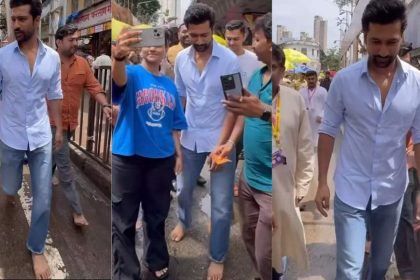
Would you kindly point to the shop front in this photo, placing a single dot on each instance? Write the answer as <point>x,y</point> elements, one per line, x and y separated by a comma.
<point>94,25</point>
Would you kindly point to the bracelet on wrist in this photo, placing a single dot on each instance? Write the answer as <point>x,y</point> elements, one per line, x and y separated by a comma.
<point>231,142</point>
<point>107,106</point>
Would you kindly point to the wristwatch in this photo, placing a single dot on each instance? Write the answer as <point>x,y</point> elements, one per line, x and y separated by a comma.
<point>266,116</point>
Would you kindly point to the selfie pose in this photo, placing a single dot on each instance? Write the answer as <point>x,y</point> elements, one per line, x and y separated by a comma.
<point>146,155</point>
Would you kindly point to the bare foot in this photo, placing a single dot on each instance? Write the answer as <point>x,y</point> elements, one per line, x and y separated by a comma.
<point>215,271</point>
<point>177,233</point>
<point>55,181</point>
<point>41,267</point>
<point>80,220</point>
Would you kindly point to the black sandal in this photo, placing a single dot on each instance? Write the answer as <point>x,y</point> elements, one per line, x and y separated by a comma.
<point>164,275</point>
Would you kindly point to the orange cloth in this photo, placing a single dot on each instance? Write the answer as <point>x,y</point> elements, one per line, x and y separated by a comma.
<point>73,80</point>
<point>219,160</point>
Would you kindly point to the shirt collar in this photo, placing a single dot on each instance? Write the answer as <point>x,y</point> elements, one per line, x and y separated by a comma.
<point>216,50</point>
<point>41,47</point>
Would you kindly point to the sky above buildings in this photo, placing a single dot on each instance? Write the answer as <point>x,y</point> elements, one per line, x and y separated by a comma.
<point>298,16</point>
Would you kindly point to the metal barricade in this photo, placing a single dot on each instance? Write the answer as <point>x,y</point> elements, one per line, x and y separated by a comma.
<point>94,134</point>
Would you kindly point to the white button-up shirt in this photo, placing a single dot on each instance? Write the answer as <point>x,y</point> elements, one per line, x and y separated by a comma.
<point>23,96</point>
<point>372,160</point>
<point>204,111</point>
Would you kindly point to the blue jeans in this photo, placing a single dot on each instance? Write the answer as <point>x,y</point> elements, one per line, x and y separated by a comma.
<point>405,245</point>
<point>61,159</point>
<point>221,192</point>
<point>40,164</point>
<point>350,230</point>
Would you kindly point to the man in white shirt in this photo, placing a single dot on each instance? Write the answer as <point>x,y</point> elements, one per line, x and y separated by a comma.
<point>102,60</point>
<point>235,37</point>
<point>315,97</point>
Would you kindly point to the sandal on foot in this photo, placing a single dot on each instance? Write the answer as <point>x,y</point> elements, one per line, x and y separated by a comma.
<point>164,275</point>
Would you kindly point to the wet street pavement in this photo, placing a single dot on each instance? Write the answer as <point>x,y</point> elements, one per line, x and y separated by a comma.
<point>72,253</point>
<point>189,258</point>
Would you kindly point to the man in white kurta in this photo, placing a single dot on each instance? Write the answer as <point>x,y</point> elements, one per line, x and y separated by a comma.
<point>291,178</point>
<point>315,97</point>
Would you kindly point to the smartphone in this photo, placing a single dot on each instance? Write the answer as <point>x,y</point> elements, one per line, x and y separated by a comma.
<point>232,85</point>
<point>151,37</point>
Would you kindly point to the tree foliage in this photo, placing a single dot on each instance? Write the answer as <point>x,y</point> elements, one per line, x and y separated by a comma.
<point>343,3</point>
<point>144,10</point>
<point>3,24</point>
<point>330,60</point>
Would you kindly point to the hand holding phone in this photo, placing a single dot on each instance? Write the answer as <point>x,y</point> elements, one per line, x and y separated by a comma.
<point>232,85</point>
<point>124,43</point>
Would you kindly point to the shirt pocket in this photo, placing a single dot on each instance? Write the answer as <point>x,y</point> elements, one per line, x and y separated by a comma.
<point>77,78</point>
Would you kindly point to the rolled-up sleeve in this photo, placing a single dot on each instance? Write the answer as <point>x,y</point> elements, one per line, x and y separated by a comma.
<point>333,110</point>
<point>54,90</point>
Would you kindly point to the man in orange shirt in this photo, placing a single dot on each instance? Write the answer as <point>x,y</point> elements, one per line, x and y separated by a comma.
<point>75,76</point>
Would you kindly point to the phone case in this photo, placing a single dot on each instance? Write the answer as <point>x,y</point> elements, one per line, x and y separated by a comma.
<point>232,84</point>
<point>151,37</point>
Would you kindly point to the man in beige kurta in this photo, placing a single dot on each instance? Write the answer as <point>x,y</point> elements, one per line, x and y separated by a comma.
<point>292,179</point>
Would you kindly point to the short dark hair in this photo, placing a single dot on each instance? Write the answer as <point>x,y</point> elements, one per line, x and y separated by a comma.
<point>236,24</point>
<point>384,12</point>
<point>199,13</point>
<point>36,6</point>
<point>264,23</point>
<point>310,73</point>
<point>64,31</point>
<point>278,55</point>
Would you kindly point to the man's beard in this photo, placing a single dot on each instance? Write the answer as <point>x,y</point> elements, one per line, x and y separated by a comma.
<point>23,36</point>
<point>185,43</point>
<point>69,52</point>
<point>202,47</point>
<point>382,61</point>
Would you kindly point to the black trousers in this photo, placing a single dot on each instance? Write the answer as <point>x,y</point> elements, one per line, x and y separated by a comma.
<point>147,181</point>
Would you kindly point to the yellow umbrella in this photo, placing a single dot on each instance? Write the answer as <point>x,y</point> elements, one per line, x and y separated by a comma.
<point>219,39</point>
<point>294,57</point>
